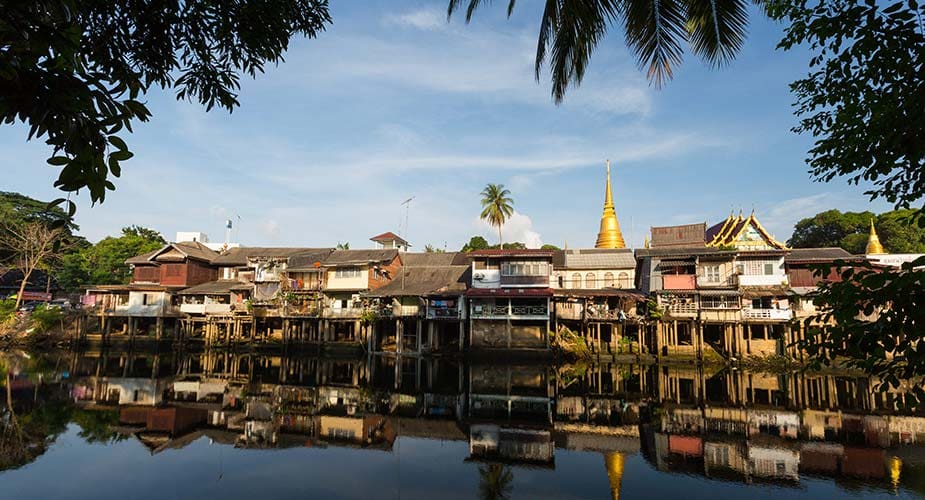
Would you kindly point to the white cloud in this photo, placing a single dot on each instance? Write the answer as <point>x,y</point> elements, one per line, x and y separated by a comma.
<point>428,19</point>
<point>518,228</point>
<point>270,228</point>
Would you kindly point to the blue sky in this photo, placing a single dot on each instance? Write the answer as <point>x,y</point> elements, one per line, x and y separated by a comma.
<point>393,102</point>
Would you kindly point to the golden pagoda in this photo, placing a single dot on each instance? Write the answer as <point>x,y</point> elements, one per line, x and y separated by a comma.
<point>609,235</point>
<point>873,242</point>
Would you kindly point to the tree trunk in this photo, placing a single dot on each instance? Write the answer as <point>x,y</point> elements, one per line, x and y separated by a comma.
<point>22,287</point>
<point>500,241</point>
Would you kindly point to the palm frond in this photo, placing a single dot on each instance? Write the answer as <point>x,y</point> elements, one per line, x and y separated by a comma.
<point>717,29</point>
<point>655,30</point>
<point>579,28</point>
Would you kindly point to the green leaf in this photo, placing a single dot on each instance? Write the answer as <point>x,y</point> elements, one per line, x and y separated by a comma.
<point>58,161</point>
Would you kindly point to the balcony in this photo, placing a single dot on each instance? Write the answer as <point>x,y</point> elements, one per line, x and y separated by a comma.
<point>406,311</point>
<point>767,314</point>
<point>442,313</point>
<point>205,308</point>
<point>720,314</point>
<point>682,310</point>
<point>729,280</point>
<point>505,311</point>
<point>679,282</point>
<point>344,313</point>
<point>762,279</point>
<point>512,280</point>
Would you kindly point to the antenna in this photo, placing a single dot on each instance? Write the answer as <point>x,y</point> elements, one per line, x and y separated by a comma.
<point>407,205</point>
<point>237,229</point>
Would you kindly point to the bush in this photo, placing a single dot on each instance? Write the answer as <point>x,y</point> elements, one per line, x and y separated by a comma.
<point>7,308</point>
<point>44,318</point>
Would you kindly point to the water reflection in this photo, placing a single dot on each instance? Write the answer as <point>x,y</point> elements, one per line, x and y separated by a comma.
<point>723,426</point>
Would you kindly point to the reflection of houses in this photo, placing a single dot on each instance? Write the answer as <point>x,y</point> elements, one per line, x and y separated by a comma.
<point>494,442</point>
<point>509,299</point>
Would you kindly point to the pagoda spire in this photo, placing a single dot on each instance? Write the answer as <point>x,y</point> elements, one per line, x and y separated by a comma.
<point>609,235</point>
<point>874,247</point>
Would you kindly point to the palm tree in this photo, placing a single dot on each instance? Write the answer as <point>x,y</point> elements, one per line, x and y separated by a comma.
<point>654,29</point>
<point>497,207</point>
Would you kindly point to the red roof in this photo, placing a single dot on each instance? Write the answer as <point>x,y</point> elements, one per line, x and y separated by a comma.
<point>523,252</point>
<point>388,236</point>
<point>509,292</point>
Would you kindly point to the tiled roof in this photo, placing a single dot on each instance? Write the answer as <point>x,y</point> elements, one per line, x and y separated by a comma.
<point>238,256</point>
<point>599,259</point>
<point>818,254</point>
<point>509,292</point>
<point>353,257</point>
<point>191,249</point>
<point>687,235</point>
<point>679,253</point>
<point>598,292</point>
<point>428,259</point>
<point>143,258</point>
<point>523,252</point>
<point>389,236</point>
<point>216,287</point>
<point>419,281</point>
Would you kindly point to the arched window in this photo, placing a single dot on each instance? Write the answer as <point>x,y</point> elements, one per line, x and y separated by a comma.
<point>590,281</point>
<point>625,280</point>
<point>608,280</point>
<point>576,281</point>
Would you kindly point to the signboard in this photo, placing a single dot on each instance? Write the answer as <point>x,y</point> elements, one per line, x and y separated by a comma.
<point>39,296</point>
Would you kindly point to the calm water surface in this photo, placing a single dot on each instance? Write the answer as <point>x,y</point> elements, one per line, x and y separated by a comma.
<point>238,425</point>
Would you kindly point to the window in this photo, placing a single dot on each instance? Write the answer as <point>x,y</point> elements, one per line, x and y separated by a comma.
<point>576,281</point>
<point>609,281</point>
<point>625,280</point>
<point>711,274</point>
<point>590,281</point>
<point>769,268</point>
<point>524,268</point>
<point>348,272</point>
<point>719,302</point>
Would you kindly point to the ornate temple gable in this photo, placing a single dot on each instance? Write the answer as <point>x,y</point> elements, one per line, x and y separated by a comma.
<point>743,233</point>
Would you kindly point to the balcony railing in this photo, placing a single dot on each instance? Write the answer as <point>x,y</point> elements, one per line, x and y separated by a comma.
<point>406,310</point>
<point>762,279</point>
<point>344,312</point>
<point>205,308</point>
<point>442,313</point>
<point>507,280</point>
<point>683,310</point>
<point>767,314</point>
<point>723,281</point>
<point>513,312</point>
<point>679,281</point>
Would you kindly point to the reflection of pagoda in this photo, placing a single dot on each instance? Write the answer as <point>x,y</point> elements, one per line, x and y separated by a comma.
<point>614,463</point>
<point>609,235</point>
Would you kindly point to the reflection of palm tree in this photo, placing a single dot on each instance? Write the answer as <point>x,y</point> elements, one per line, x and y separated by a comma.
<point>495,482</point>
